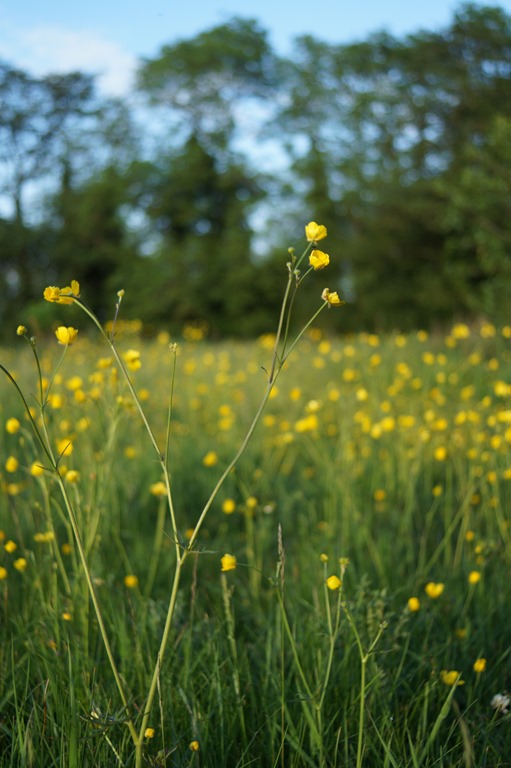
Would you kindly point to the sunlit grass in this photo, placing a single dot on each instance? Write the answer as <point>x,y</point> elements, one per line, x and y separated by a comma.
<point>392,451</point>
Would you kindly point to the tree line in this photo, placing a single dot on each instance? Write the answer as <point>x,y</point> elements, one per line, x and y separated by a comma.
<point>188,192</point>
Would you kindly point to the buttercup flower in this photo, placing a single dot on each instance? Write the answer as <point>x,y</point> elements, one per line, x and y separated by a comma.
<point>158,489</point>
<point>210,459</point>
<point>414,604</point>
<point>130,581</point>
<point>451,677</point>
<point>12,464</point>
<point>479,665</point>
<point>21,330</point>
<point>228,506</point>
<point>62,295</point>
<point>66,335</point>
<point>52,293</point>
<point>333,583</point>
<point>132,359</point>
<point>332,298</point>
<point>64,446</point>
<point>12,426</point>
<point>433,589</point>
<point>149,733</point>
<point>194,745</point>
<point>20,564</point>
<point>319,260</point>
<point>3,573</point>
<point>474,577</point>
<point>228,563</point>
<point>315,232</point>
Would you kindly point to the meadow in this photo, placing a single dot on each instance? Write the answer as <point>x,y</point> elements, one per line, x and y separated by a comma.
<point>346,599</point>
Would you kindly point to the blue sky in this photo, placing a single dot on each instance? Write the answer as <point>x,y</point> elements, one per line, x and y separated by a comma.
<point>109,37</point>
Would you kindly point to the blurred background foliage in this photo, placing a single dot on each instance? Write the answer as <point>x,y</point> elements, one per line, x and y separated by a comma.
<point>189,191</point>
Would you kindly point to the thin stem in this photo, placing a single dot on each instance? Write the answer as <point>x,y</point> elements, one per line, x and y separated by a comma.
<point>304,329</point>
<point>234,652</point>
<point>275,357</point>
<point>160,657</point>
<point>232,463</point>
<point>138,404</point>
<point>171,401</point>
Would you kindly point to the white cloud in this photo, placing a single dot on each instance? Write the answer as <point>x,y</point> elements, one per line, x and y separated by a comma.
<point>45,49</point>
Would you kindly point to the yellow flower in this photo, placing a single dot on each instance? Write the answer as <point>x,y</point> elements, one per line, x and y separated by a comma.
<point>194,745</point>
<point>64,446</point>
<point>414,604</point>
<point>52,293</point>
<point>130,581</point>
<point>479,665</point>
<point>10,546</point>
<point>474,577</point>
<point>433,589</point>
<point>149,733</point>
<point>228,563</point>
<point>62,295</point>
<point>451,677</point>
<point>36,469</point>
<point>12,464</point>
<point>132,359</point>
<point>319,260</point>
<point>228,506</point>
<point>67,616</point>
<point>72,476</point>
<point>333,583</point>
<point>44,538</point>
<point>66,335</point>
<point>332,298</point>
<point>210,459</point>
<point>21,330</point>
<point>12,426</point>
<point>323,557</point>
<point>3,573</point>
<point>440,453</point>
<point>315,232</point>
<point>158,489</point>
<point>20,564</point>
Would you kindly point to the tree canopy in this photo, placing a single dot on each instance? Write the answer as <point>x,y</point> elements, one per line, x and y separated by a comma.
<point>399,145</point>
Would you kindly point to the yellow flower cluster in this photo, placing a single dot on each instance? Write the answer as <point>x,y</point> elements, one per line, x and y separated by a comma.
<point>65,295</point>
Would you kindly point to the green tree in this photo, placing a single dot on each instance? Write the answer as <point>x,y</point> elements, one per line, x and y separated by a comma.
<point>376,125</point>
<point>36,117</point>
<point>202,268</point>
<point>91,242</point>
<point>476,224</point>
<point>202,193</point>
<point>204,82</point>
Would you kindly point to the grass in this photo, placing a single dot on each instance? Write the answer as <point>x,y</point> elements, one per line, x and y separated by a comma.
<point>391,451</point>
